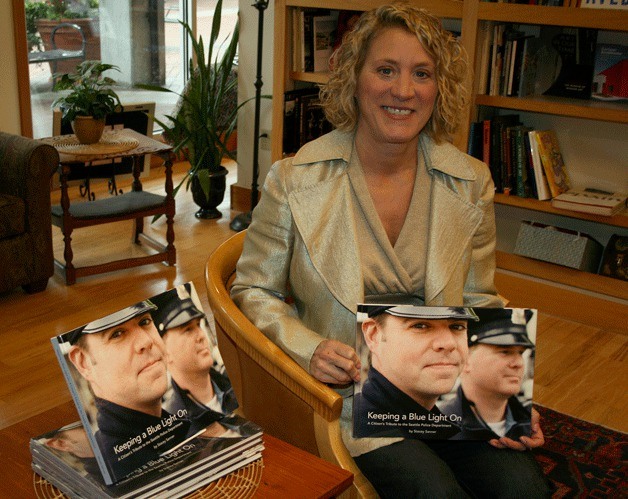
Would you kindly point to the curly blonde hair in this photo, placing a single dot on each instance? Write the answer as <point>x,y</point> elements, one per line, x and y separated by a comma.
<point>338,94</point>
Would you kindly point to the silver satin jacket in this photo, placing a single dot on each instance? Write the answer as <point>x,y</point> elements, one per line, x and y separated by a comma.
<point>301,246</point>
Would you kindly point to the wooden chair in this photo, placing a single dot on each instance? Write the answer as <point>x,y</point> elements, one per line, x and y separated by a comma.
<point>272,389</point>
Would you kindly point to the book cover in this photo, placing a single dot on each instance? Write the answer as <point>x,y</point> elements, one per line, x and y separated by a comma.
<point>537,70</point>
<point>307,35</point>
<point>592,201</point>
<point>294,125</point>
<point>615,258</point>
<point>65,458</point>
<point>552,160</point>
<point>433,372</point>
<point>324,32</point>
<point>312,122</point>
<point>147,379</point>
<point>610,73</point>
<point>576,48</point>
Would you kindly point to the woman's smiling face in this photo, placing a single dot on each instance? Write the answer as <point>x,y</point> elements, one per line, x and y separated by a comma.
<point>396,88</point>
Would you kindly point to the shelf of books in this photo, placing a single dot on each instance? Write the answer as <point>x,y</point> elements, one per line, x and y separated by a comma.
<point>536,68</point>
<point>299,63</point>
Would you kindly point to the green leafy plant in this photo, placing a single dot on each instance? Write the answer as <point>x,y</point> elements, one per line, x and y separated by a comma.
<point>90,92</point>
<point>206,118</point>
<point>65,9</point>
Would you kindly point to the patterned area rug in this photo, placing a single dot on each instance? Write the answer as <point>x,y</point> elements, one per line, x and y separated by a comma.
<point>582,459</point>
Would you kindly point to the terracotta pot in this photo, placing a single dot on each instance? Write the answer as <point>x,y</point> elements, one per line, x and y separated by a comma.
<point>87,129</point>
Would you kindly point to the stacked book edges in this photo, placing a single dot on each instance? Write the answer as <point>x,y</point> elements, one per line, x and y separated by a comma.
<point>187,469</point>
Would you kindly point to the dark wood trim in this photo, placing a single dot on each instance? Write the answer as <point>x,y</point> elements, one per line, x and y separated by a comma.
<point>21,57</point>
<point>240,198</point>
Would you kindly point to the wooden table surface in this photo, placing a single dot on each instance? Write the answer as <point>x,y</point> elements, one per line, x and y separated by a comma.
<point>288,471</point>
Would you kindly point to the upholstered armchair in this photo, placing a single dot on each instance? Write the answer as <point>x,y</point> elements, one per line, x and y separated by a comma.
<point>26,167</point>
<point>272,389</point>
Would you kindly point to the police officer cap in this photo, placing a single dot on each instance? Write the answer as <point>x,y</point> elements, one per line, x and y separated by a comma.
<point>497,326</point>
<point>112,320</point>
<point>433,313</point>
<point>174,310</point>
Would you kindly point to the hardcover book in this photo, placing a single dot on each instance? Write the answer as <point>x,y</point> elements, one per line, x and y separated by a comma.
<point>433,372</point>
<point>576,47</point>
<point>324,32</point>
<point>592,201</point>
<point>610,74</point>
<point>540,178</point>
<point>552,160</point>
<point>147,380</point>
<point>65,458</point>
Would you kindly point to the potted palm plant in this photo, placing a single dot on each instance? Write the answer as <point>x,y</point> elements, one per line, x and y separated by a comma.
<point>89,101</point>
<point>206,117</point>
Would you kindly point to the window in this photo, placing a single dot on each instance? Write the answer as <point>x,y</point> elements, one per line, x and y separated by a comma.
<point>143,38</point>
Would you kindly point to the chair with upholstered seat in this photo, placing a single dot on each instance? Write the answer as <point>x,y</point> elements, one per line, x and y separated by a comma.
<point>272,389</point>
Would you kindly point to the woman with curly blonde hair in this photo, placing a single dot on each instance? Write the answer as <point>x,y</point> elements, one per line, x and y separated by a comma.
<point>338,95</point>
<point>384,209</point>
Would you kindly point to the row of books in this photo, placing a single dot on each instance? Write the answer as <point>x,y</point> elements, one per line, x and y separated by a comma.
<point>517,62</point>
<point>528,163</point>
<point>304,119</point>
<point>140,433</point>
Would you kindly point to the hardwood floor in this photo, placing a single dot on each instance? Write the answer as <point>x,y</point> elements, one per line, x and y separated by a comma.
<point>580,370</point>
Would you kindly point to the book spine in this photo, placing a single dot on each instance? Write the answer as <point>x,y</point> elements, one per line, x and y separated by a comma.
<point>542,187</point>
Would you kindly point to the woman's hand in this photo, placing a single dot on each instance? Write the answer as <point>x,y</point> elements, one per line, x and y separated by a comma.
<point>335,363</point>
<point>536,438</point>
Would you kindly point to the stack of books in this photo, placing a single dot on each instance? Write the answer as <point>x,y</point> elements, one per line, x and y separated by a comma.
<point>155,403</point>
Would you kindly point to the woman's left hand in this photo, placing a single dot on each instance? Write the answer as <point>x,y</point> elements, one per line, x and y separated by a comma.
<point>536,438</point>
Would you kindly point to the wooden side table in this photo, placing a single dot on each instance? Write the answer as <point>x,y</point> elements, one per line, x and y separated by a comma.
<point>287,470</point>
<point>133,205</point>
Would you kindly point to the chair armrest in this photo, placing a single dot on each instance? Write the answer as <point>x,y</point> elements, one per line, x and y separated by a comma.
<point>26,167</point>
<point>324,400</point>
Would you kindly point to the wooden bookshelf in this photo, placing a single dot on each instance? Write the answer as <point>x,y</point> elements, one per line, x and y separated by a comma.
<point>471,14</point>
<point>563,275</point>
<point>560,106</point>
<point>620,220</point>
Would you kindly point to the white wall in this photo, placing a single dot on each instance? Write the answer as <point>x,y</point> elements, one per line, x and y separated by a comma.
<point>246,89</point>
<point>10,109</point>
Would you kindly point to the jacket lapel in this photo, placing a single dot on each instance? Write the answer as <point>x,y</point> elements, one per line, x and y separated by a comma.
<point>452,225</point>
<point>324,220</point>
<point>453,220</point>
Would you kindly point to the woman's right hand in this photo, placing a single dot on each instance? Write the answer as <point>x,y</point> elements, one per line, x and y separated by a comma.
<point>335,363</point>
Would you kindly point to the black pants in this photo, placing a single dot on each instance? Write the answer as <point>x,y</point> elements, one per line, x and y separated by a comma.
<point>446,469</point>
